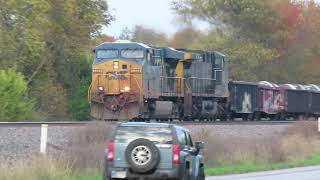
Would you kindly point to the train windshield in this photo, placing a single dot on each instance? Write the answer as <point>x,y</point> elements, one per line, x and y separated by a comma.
<point>107,54</point>
<point>135,54</point>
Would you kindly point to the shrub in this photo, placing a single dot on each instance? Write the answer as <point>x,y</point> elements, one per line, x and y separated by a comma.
<point>78,105</point>
<point>296,143</point>
<point>37,168</point>
<point>15,104</point>
<point>87,145</point>
<point>300,140</point>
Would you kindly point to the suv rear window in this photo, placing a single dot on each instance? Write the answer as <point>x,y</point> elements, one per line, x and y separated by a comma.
<point>158,135</point>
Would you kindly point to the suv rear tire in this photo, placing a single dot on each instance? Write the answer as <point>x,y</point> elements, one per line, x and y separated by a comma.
<point>142,156</point>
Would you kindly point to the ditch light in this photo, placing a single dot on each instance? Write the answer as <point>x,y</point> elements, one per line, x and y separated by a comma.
<point>125,89</point>
<point>100,88</point>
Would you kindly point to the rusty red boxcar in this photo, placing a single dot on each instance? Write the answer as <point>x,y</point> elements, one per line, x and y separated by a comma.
<point>271,98</point>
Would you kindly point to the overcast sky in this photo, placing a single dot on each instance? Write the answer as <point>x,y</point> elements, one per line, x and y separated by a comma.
<point>150,13</point>
<point>156,14</point>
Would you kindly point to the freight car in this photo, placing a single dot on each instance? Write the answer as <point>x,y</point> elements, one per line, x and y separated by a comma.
<point>301,100</point>
<point>254,101</point>
<point>243,100</point>
<point>135,80</point>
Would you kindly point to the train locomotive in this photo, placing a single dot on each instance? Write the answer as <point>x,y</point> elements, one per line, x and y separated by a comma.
<point>133,80</point>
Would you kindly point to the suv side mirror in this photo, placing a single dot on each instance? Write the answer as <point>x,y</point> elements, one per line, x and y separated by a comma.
<point>199,145</point>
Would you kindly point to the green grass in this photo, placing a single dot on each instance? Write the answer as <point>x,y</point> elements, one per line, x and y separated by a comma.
<point>85,177</point>
<point>88,178</point>
<point>245,167</point>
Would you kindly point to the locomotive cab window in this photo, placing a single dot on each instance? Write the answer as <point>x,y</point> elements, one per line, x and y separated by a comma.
<point>132,53</point>
<point>156,57</point>
<point>219,63</point>
<point>218,75</point>
<point>107,54</point>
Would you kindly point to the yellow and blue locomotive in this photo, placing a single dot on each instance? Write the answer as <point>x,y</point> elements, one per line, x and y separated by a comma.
<point>134,80</point>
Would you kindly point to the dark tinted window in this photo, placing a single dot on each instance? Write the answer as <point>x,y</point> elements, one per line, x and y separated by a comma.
<point>189,140</point>
<point>181,137</point>
<point>126,134</point>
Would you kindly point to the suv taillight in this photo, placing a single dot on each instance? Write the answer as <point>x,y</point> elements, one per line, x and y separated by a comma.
<point>110,154</point>
<point>176,154</point>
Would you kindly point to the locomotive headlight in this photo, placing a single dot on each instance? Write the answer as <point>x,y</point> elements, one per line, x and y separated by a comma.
<point>100,88</point>
<point>127,88</point>
<point>115,65</point>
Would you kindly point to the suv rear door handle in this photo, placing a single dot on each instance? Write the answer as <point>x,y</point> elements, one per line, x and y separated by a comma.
<point>163,146</point>
<point>186,148</point>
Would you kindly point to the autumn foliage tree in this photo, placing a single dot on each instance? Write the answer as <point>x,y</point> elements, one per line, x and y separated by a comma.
<point>184,38</point>
<point>43,40</point>
<point>274,40</point>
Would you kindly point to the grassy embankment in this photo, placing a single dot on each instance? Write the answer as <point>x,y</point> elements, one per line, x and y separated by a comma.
<point>237,168</point>
<point>244,167</point>
<point>297,146</point>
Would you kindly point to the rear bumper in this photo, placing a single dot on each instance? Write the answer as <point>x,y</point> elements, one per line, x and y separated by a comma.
<point>157,174</point>
<point>173,173</point>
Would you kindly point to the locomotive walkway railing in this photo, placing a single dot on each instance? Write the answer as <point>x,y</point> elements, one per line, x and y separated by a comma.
<point>175,85</point>
<point>169,86</point>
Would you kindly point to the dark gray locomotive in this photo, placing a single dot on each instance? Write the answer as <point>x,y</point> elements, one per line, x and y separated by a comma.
<point>134,80</point>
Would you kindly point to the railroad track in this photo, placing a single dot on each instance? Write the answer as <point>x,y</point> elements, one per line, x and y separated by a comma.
<point>50,123</point>
<point>267,122</point>
<point>80,123</point>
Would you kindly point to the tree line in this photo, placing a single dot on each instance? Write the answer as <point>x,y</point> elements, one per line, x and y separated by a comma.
<point>273,40</point>
<point>45,56</point>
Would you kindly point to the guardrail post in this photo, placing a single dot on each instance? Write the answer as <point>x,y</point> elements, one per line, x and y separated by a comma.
<point>43,138</point>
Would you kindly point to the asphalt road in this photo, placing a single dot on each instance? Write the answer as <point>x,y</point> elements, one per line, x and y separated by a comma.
<point>305,173</point>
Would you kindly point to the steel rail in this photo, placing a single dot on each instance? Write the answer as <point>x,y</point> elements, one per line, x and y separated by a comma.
<point>76,123</point>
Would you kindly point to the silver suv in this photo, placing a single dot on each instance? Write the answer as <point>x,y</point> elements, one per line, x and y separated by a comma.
<point>153,151</point>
